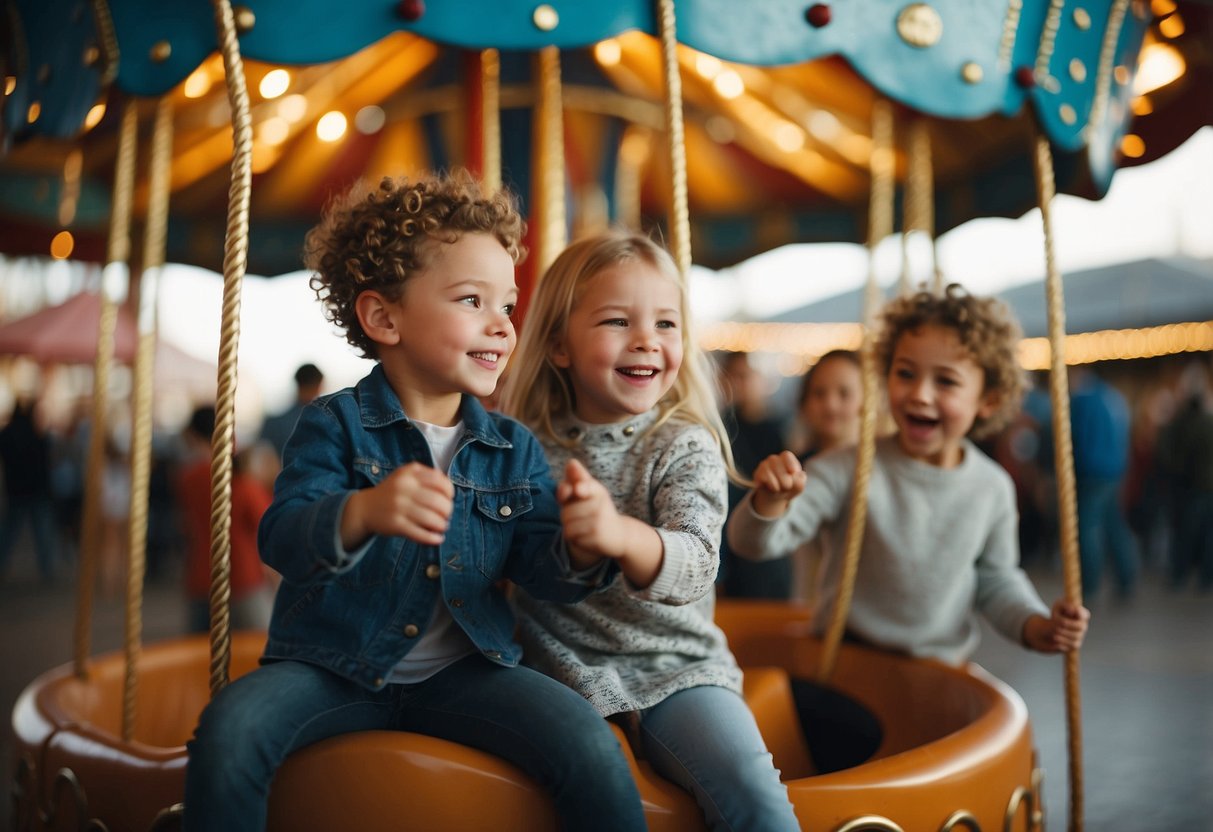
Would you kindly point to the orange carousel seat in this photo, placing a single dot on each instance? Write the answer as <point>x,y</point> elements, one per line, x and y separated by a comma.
<point>952,741</point>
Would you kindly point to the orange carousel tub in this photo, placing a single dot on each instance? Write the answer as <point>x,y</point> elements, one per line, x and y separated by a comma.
<point>932,747</point>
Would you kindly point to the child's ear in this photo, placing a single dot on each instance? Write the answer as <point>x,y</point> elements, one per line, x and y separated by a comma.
<point>559,353</point>
<point>374,313</point>
<point>990,401</point>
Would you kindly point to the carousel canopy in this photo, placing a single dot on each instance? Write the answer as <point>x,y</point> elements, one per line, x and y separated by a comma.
<point>778,97</point>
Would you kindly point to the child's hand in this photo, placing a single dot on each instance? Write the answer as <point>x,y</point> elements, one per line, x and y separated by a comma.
<point>414,501</point>
<point>592,526</point>
<point>777,480</point>
<point>594,529</point>
<point>1063,631</point>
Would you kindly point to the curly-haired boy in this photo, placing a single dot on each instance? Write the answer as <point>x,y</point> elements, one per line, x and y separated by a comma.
<point>940,541</point>
<point>401,505</point>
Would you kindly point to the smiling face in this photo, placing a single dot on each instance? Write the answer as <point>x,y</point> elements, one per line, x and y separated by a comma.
<point>831,404</point>
<point>936,391</point>
<point>450,332</point>
<point>623,344</point>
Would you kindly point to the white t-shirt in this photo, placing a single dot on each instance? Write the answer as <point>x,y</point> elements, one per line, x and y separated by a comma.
<point>443,643</point>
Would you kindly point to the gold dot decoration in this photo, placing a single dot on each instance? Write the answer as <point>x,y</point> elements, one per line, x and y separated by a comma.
<point>545,18</point>
<point>1067,114</point>
<point>972,73</point>
<point>160,52</point>
<point>920,25</point>
<point>244,18</point>
<point>91,55</point>
<point>1121,74</point>
<point>1078,70</point>
<point>1082,19</point>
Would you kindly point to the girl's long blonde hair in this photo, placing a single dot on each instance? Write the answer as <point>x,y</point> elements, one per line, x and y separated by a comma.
<point>537,392</point>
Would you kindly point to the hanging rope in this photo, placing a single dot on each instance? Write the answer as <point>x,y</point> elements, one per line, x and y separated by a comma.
<point>920,205</point>
<point>680,218</point>
<point>113,288</point>
<point>108,38</point>
<point>880,199</point>
<point>235,259</point>
<point>1063,463</point>
<point>490,119</point>
<point>549,162</point>
<point>880,225</point>
<point>633,154</point>
<point>141,433</point>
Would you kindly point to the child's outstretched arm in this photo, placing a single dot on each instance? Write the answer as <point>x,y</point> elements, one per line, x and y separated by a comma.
<point>414,501</point>
<point>594,529</point>
<point>778,479</point>
<point>1063,631</point>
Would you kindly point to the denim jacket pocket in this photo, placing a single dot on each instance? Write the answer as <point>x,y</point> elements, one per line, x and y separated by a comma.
<point>497,514</point>
<point>379,565</point>
<point>373,471</point>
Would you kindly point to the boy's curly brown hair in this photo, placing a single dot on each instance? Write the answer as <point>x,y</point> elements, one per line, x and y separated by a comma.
<point>987,330</point>
<point>376,239</point>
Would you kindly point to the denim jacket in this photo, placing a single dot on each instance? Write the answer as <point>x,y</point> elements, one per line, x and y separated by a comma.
<point>359,613</point>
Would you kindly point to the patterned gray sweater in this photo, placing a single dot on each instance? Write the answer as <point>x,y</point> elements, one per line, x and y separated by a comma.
<point>624,648</point>
<point>939,544</point>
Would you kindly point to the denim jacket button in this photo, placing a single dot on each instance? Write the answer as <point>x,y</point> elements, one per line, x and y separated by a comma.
<point>433,571</point>
<point>505,511</point>
<point>411,630</point>
<point>628,430</point>
<point>374,469</point>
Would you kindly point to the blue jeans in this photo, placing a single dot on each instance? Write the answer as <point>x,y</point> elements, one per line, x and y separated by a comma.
<point>516,713</point>
<point>706,740</point>
<point>1103,531</point>
<point>39,512</point>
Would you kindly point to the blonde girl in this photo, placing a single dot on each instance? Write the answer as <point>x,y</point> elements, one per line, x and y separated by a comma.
<point>609,377</point>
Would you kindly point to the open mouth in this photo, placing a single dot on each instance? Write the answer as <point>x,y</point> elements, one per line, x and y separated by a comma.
<point>489,358</point>
<point>637,372</point>
<point>921,423</point>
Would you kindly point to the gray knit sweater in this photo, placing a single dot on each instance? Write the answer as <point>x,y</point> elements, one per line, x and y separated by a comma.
<point>939,543</point>
<point>623,648</point>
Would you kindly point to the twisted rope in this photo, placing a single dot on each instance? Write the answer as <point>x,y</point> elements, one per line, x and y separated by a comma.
<point>118,252</point>
<point>680,218</point>
<point>880,225</point>
<point>490,119</point>
<point>141,432</point>
<point>1063,462</point>
<point>880,199</point>
<point>235,259</point>
<point>866,453</point>
<point>920,202</point>
<point>104,22</point>
<point>549,167</point>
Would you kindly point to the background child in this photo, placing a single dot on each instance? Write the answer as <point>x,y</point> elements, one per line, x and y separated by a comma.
<point>252,584</point>
<point>940,537</point>
<point>610,378</point>
<point>389,615</point>
<point>830,398</point>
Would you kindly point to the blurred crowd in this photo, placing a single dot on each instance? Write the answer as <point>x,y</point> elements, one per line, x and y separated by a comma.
<point>1142,437</point>
<point>43,464</point>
